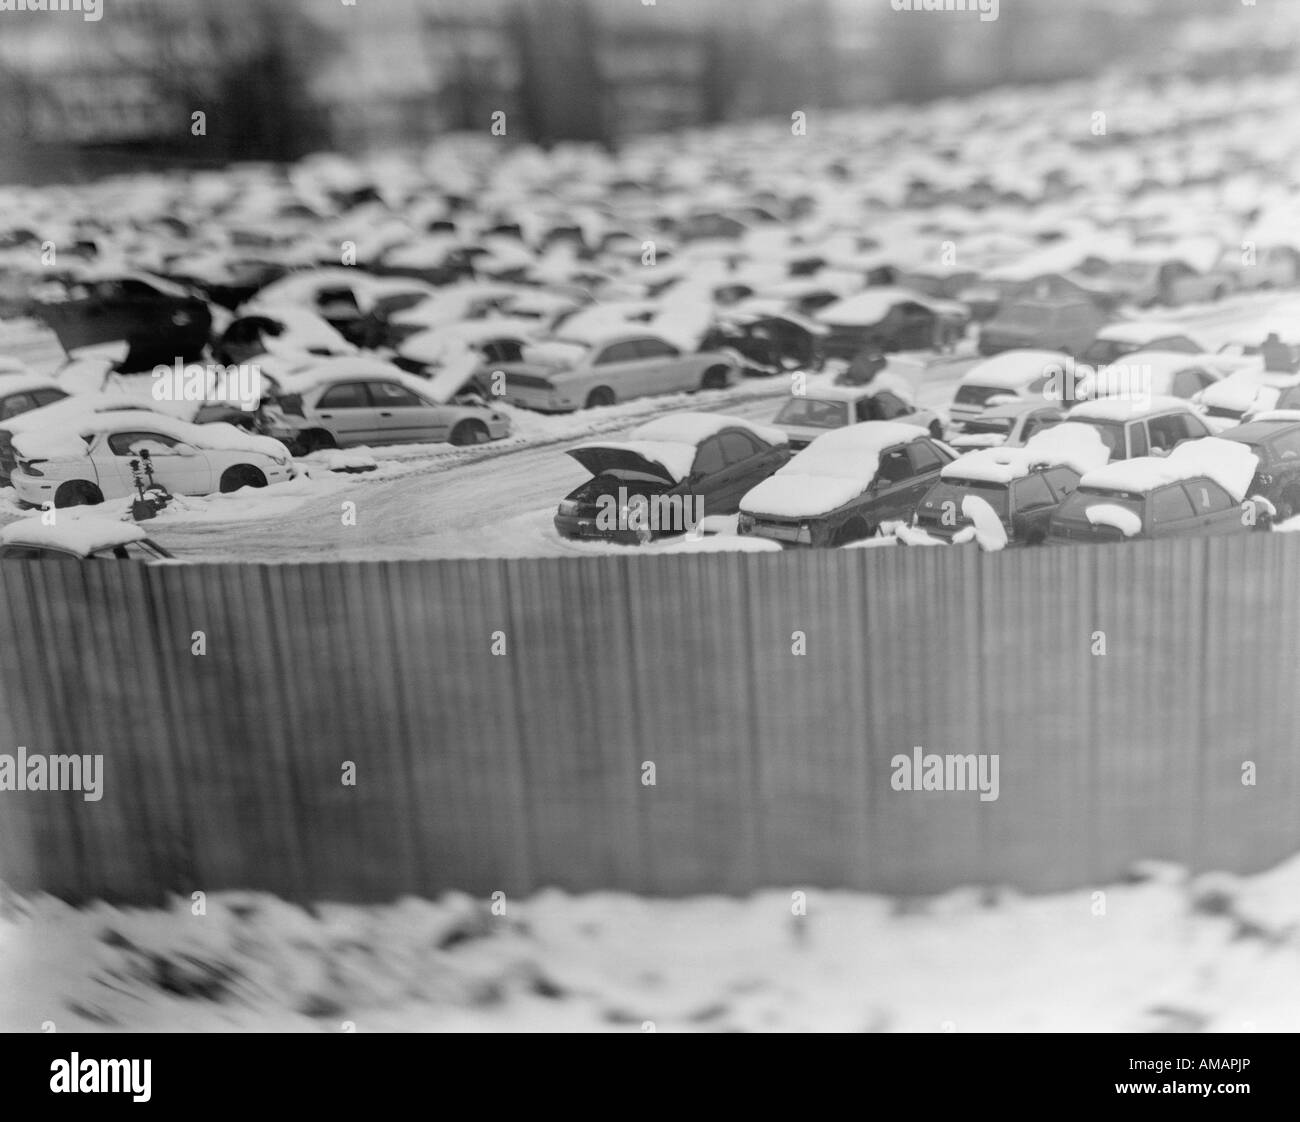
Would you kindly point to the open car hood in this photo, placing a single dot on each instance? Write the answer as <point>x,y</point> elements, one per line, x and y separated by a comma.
<point>669,462</point>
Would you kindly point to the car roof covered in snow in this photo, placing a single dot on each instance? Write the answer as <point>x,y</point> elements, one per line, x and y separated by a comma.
<point>1012,369</point>
<point>872,304</point>
<point>1126,409</point>
<point>68,440</point>
<point>348,368</point>
<point>1075,446</point>
<point>1229,463</point>
<point>73,531</point>
<point>1139,331</point>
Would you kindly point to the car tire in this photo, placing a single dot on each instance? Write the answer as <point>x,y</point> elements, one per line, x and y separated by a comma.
<point>1287,505</point>
<point>241,475</point>
<point>469,432</point>
<point>78,493</point>
<point>600,397</point>
<point>715,378</point>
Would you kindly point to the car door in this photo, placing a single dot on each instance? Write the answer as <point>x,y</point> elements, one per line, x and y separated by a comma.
<point>747,462</point>
<point>404,416</point>
<point>1032,505</point>
<point>1170,513</point>
<point>897,487</point>
<point>347,410</point>
<point>663,369</point>
<point>620,367</point>
<point>1216,512</point>
<point>179,467</point>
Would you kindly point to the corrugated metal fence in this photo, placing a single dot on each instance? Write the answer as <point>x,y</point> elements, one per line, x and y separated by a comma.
<point>520,769</point>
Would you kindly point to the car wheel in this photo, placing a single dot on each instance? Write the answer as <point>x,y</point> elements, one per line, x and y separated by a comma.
<point>854,530</point>
<point>600,396</point>
<point>469,432</point>
<point>241,475</point>
<point>715,378</point>
<point>1286,506</point>
<point>78,493</point>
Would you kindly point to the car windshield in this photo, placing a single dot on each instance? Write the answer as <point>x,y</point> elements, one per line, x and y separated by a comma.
<point>813,413</point>
<point>956,490</point>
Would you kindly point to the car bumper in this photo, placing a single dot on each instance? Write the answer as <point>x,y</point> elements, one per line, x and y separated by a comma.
<point>539,400</point>
<point>583,528</point>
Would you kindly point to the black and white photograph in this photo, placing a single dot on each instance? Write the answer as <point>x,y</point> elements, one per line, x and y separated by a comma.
<point>640,516</point>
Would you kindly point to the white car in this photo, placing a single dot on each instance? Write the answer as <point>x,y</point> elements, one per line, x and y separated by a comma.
<point>89,462</point>
<point>1021,375</point>
<point>806,416</point>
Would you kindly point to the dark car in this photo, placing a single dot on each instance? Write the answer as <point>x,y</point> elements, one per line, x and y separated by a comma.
<point>771,344</point>
<point>1023,486</point>
<point>845,484</point>
<point>668,475</point>
<point>159,320</point>
<point>1132,429</point>
<point>1126,337</point>
<point>1186,494</point>
<point>888,319</point>
<point>1047,324</point>
<point>1277,446</point>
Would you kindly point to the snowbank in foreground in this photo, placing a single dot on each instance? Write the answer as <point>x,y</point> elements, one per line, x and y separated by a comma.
<point>1212,953</point>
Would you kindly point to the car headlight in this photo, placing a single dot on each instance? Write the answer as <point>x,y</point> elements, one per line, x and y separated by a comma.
<point>568,506</point>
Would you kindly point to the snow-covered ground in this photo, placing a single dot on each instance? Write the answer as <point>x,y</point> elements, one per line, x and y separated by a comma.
<point>1161,952</point>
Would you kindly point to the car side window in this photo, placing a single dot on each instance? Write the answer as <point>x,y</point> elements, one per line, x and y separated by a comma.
<point>387,394</point>
<point>1166,431</point>
<point>1031,493</point>
<point>618,352</point>
<point>346,395</point>
<point>15,404</point>
<point>709,457</point>
<point>924,458</point>
<point>655,348</point>
<point>1063,481</point>
<point>122,443</point>
<point>1170,504</point>
<point>865,410</point>
<point>894,467</point>
<point>1208,497</point>
<point>737,447</point>
<point>48,397</point>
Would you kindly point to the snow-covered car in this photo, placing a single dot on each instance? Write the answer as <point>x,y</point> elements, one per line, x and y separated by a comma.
<point>1022,486</point>
<point>1012,377</point>
<point>668,475</point>
<point>887,319</point>
<point>1245,393</point>
<point>1007,425</point>
<point>21,394</point>
<point>79,539</point>
<point>1160,374</point>
<point>68,411</point>
<point>348,401</point>
<point>565,374</point>
<point>87,463</point>
<point>1133,429</point>
<point>1161,278</point>
<point>358,305</point>
<point>1200,488</point>
<point>1032,323</point>
<point>1275,440</point>
<point>844,485</point>
<point>286,331</point>
<point>805,416</point>
<point>1124,337</point>
<point>771,342</point>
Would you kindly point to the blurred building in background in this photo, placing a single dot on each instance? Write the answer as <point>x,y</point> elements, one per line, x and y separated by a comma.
<point>277,78</point>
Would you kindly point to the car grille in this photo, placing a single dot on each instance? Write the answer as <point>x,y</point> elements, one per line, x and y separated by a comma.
<point>1077,533</point>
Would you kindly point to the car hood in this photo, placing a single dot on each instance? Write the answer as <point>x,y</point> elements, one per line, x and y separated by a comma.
<point>801,496</point>
<point>660,460</point>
